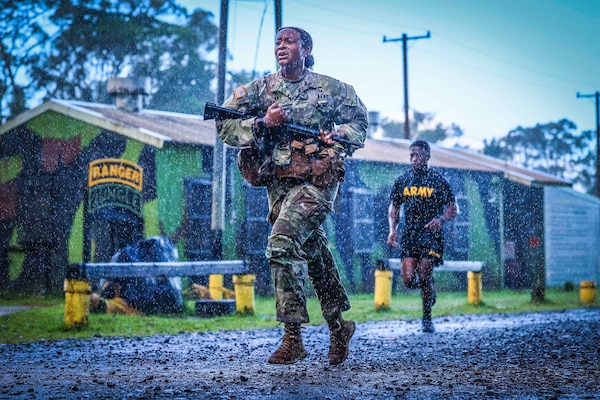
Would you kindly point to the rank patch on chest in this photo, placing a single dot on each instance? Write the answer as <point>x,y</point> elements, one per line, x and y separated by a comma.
<point>239,92</point>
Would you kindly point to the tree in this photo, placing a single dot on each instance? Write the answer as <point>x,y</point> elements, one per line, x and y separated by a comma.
<point>237,78</point>
<point>183,84</point>
<point>64,49</point>
<point>23,41</point>
<point>554,148</point>
<point>422,127</point>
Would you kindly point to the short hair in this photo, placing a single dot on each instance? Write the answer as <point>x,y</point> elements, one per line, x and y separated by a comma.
<point>422,144</point>
<point>306,40</point>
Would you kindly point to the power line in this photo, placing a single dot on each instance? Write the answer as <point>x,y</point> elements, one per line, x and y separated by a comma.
<point>262,21</point>
<point>512,64</point>
<point>505,77</point>
<point>337,12</point>
<point>362,18</point>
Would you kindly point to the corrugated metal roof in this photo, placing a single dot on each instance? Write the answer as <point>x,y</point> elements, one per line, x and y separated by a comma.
<point>396,151</point>
<point>148,126</point>
<point>157,127</point>
<point>179,128</point>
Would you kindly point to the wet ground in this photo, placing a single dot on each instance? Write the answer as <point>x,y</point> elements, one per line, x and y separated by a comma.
<point>551,355</point>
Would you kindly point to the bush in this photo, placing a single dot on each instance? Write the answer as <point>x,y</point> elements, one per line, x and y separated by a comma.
<point>569,286</point>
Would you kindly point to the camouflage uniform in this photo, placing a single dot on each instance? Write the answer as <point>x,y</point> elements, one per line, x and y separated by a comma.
<point>301,190</point>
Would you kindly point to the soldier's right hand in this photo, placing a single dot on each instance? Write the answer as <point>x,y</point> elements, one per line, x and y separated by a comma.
<point>275,116</point>
<point>392,239</point>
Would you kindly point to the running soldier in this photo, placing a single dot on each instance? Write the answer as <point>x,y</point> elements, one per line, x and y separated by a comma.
<point>302,176</point>
<point>428,203</point>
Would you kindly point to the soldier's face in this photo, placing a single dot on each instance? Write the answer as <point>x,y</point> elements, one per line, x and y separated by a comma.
<point>418,157</point>
<point>288,49</point>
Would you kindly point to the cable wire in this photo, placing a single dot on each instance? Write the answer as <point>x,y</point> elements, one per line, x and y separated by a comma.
<point>260,27</point>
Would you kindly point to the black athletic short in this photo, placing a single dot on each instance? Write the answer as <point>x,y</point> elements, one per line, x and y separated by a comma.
<point>423,244</point>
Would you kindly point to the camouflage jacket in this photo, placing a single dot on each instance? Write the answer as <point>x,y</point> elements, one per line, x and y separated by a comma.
<point>309,102</point>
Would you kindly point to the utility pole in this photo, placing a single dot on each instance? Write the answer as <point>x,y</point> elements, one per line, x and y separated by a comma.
<point>404,39</point>
<point>278,23</point>
<point>596,95</point>
<point>277,15</point>
<point>218,181</point>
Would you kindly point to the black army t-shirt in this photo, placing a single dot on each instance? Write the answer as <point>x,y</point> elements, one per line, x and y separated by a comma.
<point>424,194</point>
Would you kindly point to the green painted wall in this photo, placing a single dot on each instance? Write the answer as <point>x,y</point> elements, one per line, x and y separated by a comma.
<point>10,168</point>
<point>55,125</point>
<point>173,164</point>
<point>481,245</point>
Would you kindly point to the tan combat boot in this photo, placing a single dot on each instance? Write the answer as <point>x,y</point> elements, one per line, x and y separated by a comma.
<point>340,333</point>
<point>291,348</point>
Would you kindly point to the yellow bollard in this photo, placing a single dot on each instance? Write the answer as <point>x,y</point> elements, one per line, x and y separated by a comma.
<point>215,286</point>
<point>587,291</point>
<point>243,286</point>
<point>77,303</point>
<point>383,289</point>
<point>474,287</point>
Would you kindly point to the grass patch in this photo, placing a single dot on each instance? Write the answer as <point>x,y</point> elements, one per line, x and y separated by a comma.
<point>46,320</point>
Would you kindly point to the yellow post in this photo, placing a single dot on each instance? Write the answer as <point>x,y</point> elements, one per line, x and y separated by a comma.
<point>77,303</point>
<point>383,289</point>
<point>474,287</point>
<point>215,286</point>
<point>243,286</point>
<point>587,291</point>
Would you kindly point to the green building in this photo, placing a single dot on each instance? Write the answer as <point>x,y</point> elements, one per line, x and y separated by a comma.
<point>78,181</point>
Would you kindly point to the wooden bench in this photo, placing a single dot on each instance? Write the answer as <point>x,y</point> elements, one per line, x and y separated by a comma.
<point>78,288</point>
<point>386,266</point>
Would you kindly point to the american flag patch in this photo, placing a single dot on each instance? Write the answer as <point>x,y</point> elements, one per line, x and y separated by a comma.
<point>239,92</point>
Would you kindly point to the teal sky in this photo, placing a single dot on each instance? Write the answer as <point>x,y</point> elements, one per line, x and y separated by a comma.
<point>489,66</point>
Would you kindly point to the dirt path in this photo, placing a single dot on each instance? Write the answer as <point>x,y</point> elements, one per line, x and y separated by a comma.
<point>553,355</point>
<point>5,310</point>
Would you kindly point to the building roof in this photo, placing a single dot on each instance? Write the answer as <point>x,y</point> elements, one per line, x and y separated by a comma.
<point>148,126</point>
<point>158,127</point>
<point>396,151</point>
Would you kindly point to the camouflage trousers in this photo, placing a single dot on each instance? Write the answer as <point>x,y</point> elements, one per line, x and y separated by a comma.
<point>298,247</point>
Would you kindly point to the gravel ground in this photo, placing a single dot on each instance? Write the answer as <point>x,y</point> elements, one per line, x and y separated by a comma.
<point>551,355</point>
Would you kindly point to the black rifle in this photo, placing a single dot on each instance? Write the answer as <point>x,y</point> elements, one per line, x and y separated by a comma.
<point>212,111</point>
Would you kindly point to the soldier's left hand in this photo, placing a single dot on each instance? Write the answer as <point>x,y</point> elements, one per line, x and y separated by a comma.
<point>435,224</point>
<point>326,137</point>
